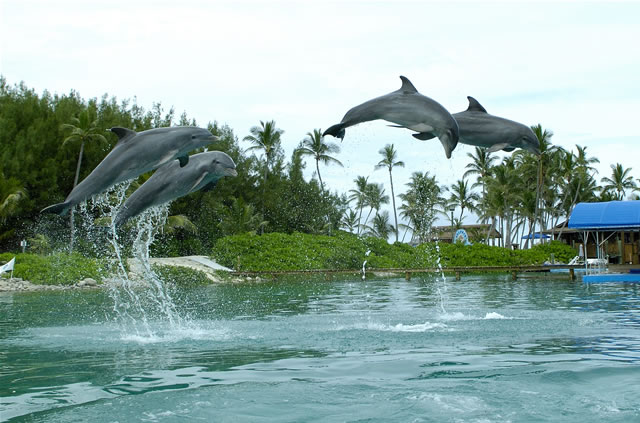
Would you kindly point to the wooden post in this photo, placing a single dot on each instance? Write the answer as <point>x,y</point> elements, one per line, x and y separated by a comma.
<point>407,276</point>
<point>514,275</point>
<point>572,274</point>
<point>457,275</point>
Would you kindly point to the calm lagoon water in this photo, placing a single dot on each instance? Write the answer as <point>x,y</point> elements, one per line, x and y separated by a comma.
<point>484,349</point>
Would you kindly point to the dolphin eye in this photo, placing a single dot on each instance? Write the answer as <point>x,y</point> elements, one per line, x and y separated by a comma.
<point>193,137</point>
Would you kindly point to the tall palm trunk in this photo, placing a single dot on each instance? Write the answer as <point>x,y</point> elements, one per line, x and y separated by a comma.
<point>319,177</point>
<point>368,216</point>
<point>75,182</point>
<point>538,195</point>
<point>264,190</point>
<point>393,198</point>
<point>360,219</point>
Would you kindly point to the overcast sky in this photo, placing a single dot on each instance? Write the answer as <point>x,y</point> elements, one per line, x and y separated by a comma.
<point>571,66</point>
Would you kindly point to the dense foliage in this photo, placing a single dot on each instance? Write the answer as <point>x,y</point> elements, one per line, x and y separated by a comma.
<point>56,269</point>
<point>44,142</point>
<point>297,251</point>
<point>181,275</point>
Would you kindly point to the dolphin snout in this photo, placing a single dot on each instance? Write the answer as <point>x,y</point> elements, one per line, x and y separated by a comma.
<point>231,172</point>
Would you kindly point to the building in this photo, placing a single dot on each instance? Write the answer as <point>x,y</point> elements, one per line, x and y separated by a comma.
<point>610,230</point>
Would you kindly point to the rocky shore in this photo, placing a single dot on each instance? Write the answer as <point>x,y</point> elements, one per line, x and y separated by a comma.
<point>19,285</point>
<point>136,275</point>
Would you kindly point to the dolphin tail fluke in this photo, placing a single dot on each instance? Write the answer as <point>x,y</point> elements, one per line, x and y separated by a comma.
<point>335,131</point>
<point>59,209</point>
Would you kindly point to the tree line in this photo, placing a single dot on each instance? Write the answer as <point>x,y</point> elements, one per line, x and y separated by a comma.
<point>50,142</point>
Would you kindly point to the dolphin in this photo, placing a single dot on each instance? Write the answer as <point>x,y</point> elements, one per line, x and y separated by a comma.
<point>170,182</point>
<point>135,154</point>
<point>407,108</point>
<point>479,128</point>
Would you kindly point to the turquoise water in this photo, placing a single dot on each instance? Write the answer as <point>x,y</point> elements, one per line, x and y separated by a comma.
<point>366,351</point>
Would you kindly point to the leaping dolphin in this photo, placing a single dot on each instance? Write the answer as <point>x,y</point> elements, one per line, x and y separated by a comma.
<point>170,182</point>
<point>409,109</point>
<point>134,154</point>
<point>479,128</point>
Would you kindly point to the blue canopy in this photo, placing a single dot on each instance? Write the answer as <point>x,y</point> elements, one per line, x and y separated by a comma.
<point>536,236</point>
<point>608,215</point>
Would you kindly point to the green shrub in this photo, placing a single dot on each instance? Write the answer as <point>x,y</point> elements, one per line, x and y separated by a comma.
<point>181,275</point>
<point>276,251</point>
<point>55,269</point>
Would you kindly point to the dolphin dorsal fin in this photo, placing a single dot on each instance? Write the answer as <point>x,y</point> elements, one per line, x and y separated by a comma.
<point>407,86</point>
<point>123,134</point>
<point>475,106</point>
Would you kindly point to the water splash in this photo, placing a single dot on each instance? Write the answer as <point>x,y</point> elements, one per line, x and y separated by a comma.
<point>364,264</point>
<point>139,297</point>
<point>441,287</point>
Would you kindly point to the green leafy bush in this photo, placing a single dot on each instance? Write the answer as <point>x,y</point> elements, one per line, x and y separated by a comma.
<point>276,251</point>
<point>181,275</point>
<point>56,269</point>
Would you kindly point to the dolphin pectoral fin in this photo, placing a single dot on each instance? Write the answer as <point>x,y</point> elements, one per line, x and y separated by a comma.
<point>183,160</point>
<point>59,209</point>
<point>509,149</point>
<point>497,147</point>
<point>423,136</point>
<point>209,186</point>
<point>198,182</point>
<point>335,131</point>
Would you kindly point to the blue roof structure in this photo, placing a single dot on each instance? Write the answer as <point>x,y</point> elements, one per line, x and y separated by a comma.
<point>608,215</point>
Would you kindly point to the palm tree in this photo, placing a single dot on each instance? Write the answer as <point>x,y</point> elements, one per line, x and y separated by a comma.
<point>463,197</point>
<point>265,137</point>
<point>84,130</point>
<point>359,195</point>
<point>375,198</point>
<point>419,204</point>
<point>350,220</point>
<point>547,150</point>
<point>481,165</point>
<point>585,162</point>
<point>389,157</point>
<point>179,221</point>
<point>380,226</point>
<point>11,194</point>
<point>240,218</point>
<point>314,145</point>
<point>620,181</point>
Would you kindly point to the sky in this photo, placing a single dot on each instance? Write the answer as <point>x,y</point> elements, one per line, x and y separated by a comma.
<point>570,66</point>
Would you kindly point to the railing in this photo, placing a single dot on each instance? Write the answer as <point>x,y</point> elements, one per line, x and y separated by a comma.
<point>514,270</point>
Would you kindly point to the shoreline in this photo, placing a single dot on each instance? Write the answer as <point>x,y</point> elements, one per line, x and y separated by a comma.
<point>20,285</point>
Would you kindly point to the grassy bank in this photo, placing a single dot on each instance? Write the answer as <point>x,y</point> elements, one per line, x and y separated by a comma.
<point>55,269</point>
<point>276,251</point>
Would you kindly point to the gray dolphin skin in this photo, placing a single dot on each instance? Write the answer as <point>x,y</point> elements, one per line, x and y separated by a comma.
<point>479,128</point>
<point>407,108</point>
<point>134,154</point>
<point>171,181</point>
